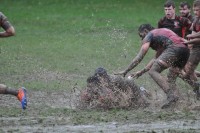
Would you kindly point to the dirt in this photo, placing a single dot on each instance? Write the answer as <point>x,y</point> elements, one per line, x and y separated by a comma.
<point>113,127</point>
<point>33,119</point>
<point>53,111</point>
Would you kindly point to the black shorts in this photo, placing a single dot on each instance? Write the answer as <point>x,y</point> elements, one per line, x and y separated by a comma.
<point>175,56</point>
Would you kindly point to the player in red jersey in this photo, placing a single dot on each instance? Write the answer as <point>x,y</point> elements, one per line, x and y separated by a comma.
<point>194,58</point>
<point>176,23</point>
<point>185,11</point>
<point>171,52</point>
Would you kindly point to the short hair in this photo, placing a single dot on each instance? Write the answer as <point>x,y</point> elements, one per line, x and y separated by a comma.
<point>182,4</point>
<point>145,27</point>
<point>100,72</point>
<point>169,3</point>
<point>196,3</point>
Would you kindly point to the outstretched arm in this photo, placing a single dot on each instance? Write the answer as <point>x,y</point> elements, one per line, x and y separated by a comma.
<point>193,35</point>
<point>8,32</point>
<point>146,69</point>
<point>137,59</point>
<point>195,41</point>
<point>7,26</point>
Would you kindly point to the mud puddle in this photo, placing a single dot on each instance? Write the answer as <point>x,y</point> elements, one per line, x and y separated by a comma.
<point>52,125</point>
<point>34,121</point>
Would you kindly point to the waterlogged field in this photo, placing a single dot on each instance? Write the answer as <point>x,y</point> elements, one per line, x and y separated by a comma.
<point>58,44</point>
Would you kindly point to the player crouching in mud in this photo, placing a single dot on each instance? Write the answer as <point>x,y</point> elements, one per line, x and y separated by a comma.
<point>171,52</point>
<point>111,91</point>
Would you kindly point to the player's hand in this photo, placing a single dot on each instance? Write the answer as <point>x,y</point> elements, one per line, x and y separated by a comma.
<point>190,46</point>
<point>190,36</point>
<point>185,41</point>
<point>122,73</point>
<point>137,74</point>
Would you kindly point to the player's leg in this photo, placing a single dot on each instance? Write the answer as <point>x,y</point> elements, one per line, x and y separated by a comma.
<point>197,73</point>
<point>155,71</point>
<point>20,94</point>
<point>189,74</point>
<point>5,90</point>
<point>175,58</point>
<point>168,86</point>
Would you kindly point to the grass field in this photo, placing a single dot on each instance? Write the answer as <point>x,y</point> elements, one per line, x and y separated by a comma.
<point>59,43</point>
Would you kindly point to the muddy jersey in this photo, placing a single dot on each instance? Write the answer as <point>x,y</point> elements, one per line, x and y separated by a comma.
<point>4,23</point>
<point>162,38</point>
<point>188,31</point>
<point>196,28</point>
<point>196,25</point>
<point>190,17</point>
<point>178,25</point>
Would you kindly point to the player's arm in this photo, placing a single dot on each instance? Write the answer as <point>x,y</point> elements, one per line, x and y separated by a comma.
<point>8,32</point>
<point>137,59</point>
<point>193,35</point>
<point>146,69</point>
<point>195,41</point>
<point>148,66</point>
<point>6,25</point>
<point>193,38</point>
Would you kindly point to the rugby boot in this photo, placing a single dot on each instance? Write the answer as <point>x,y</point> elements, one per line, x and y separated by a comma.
<point>171,99</point>
<point>197,92</point>
<point>22,97</point>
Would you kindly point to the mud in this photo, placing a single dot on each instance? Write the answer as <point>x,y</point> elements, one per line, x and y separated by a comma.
<point>32,120</point>
<point>52,125</point>
<point>107,91</point>
<point>47,113</point>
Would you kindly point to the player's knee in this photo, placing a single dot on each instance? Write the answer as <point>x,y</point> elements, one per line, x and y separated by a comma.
<point>2,86</point>
<point>189,67</point>
<point>151,72</point>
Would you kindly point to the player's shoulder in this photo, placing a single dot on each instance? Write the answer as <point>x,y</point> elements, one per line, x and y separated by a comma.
<point>162,19</point>
<point>196,21</point>
<point>182,18</point>
<point>2,15</point>
<point>191,18</point>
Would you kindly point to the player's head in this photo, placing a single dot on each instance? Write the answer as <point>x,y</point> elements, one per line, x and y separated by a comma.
<point>184,9</point>
<point>99,74</point>
<point>144,29</point>
<point>196,8</point>
<point>169,8</point>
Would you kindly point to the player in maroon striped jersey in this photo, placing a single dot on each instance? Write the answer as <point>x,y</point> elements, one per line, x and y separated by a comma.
<point>171,52</point>
<point>194,58</point>
<point>174,22</point>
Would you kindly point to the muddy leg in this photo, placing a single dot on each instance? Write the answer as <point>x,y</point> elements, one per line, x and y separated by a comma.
<point>5,90</point>
<point>190,77</point>
<point>154,72</point>
<point>172,93</point>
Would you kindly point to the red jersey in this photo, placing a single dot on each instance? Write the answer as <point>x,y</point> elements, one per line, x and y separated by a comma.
<point>162,38</point>
<point>178,25</point>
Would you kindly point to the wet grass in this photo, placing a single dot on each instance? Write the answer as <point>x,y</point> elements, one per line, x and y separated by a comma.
<point>73,38</point>
<point>79,117</point>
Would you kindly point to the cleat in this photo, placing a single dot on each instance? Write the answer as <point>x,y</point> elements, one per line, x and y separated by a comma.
<point>22,97</point>
<point>197,94</point>
<point>170,101</point>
